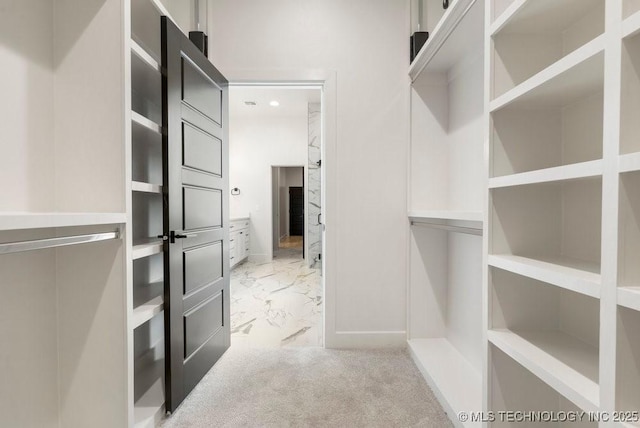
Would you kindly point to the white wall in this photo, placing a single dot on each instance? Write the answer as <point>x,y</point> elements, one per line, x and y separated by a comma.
<point>365,43</point>
<point>255,145</point>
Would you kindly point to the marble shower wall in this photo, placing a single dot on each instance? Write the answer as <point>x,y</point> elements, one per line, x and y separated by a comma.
<point>314,235</point>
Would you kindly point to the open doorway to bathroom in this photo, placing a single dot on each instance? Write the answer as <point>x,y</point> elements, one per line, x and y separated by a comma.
<point>275,167</point>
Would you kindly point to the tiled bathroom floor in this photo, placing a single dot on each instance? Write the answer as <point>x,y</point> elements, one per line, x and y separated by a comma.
<point>277,304</point>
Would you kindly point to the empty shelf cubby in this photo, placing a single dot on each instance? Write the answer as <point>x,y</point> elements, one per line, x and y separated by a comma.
<point>540,33</point>
<point>518,398</point>
<point>146,106</point>
<point>148,279</point>
<point>628,360</point>
<point>558,222</point>
<point>147,215</point>
<point>552,331</point>
<point>547,135</point>
<point>630,95</point>
<point>629,7</point>
<point>146,155</point>
<point>446,125</point>
<point>149,370</point>
<point>629,231</point>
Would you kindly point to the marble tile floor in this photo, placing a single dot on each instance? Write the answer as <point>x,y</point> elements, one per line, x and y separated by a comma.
<point>277,304</point>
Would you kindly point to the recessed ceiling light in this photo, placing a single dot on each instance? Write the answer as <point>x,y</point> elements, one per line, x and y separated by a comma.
<point>274,103</point>
<point>250,103</point>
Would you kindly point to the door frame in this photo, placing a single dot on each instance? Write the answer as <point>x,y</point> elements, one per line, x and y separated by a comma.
<point>326,80</point>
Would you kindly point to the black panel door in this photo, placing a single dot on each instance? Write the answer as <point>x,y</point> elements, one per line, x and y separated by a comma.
<point>296,211</point>
<point>196,189</point>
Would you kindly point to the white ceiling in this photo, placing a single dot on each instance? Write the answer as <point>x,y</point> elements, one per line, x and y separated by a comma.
<point>293,101</point>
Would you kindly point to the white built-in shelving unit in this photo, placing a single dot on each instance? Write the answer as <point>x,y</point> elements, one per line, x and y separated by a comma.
<point>63,170</point>
<point>82,165</point>
<point>562,279</point>
<point>147,261</point>
<point>555,282</point>
<point>447,182</point>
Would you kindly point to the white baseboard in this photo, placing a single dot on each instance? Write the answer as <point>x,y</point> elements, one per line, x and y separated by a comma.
<point>366,339</point>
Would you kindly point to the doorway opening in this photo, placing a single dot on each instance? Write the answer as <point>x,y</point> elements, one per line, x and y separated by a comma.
<point>288,195</point>
<point>277,297</point>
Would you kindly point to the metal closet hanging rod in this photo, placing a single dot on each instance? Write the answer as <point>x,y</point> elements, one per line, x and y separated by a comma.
<point>62,241</point>
<point>448,228</point>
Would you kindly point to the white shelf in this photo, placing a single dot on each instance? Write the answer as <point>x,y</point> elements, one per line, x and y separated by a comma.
<point>530,16</point>
<point>629,297</point>
<point>631,25</point>
<point>508,14</point>
<point>149,125</point>
<point>147,59</point>
<point>143,294</point>
<point>146,311</point>
<point>146,248</point>
<point>568,365</point>
<point>581,277</point>
<point>138,186</point>
<point>565,172</point>
<point>454,381</point>
<point>574,76</point>
<point>629,162</point>
<point>27,220</point>
<point>455,36</point>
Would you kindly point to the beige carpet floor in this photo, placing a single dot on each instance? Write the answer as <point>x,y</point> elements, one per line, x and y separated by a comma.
<point>311,387</point>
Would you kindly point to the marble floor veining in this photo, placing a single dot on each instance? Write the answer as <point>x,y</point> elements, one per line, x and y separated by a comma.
<point>277,304</point>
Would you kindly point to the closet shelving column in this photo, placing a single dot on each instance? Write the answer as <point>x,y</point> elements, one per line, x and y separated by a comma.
<point>63,173</point>
<point>147,261</point>
<point>627,378</point>
<point>552,131</point>
<point>447,181</point>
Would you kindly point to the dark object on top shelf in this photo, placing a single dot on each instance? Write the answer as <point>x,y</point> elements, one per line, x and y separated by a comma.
<point>445,3</point>
<point>418,39</point>
<point>200,40</point>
